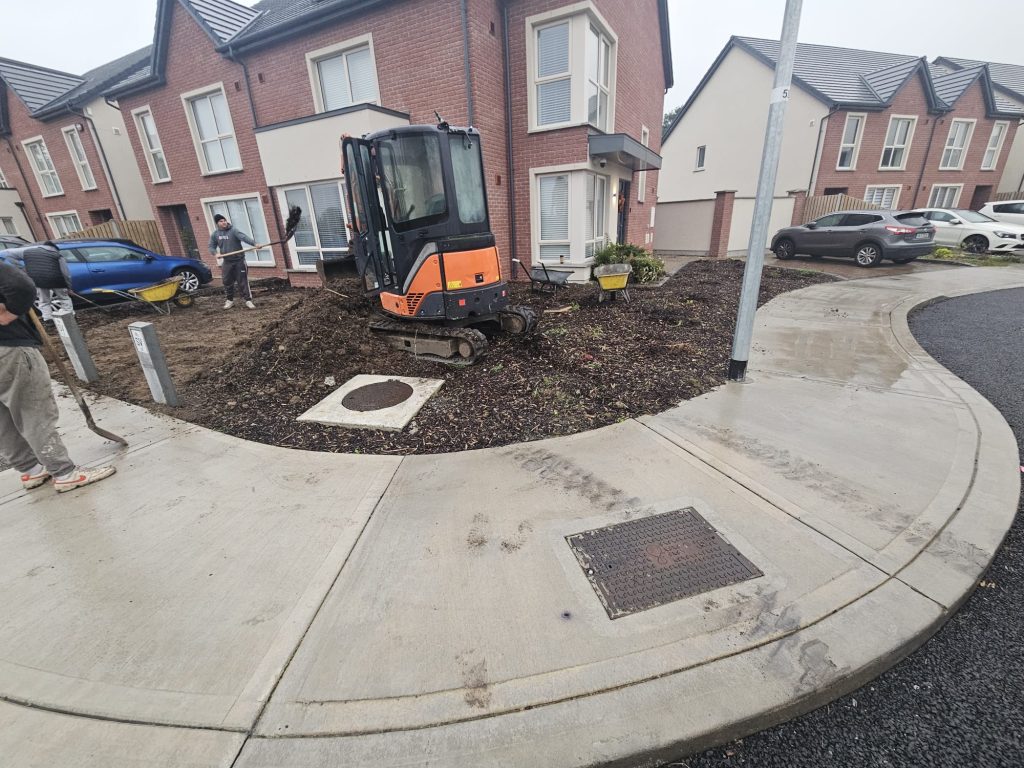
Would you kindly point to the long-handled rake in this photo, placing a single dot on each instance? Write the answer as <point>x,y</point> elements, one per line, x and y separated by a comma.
<point>71,383</point>
<point>291,225</point>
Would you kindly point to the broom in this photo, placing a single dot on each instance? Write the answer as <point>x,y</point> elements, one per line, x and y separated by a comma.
<point>292,224</point>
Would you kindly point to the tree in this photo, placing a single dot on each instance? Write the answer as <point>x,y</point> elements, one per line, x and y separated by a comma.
<point>669,117</point>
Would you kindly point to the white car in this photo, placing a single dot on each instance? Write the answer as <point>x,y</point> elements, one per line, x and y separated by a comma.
<point>971,231</point>
<point>1010,211</point>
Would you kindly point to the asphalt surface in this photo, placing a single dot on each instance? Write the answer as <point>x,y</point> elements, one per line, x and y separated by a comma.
<point>959,700</point>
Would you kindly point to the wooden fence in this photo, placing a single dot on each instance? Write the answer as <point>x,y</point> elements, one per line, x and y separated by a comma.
<point>143,231</point>
<point>1007,196</point>
<point>822,205</point>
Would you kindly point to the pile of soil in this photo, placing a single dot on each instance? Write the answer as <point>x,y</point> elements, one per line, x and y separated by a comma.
<point>251,373</point>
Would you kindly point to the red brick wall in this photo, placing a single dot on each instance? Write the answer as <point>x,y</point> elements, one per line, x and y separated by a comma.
<point>192,63</point>
<point>915,187</point>
<point>24,126</point>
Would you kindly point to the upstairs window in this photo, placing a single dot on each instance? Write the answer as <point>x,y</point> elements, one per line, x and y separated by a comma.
<point>995,146</point>
<point>344,74</point>
<point>850,145</point>
<point>956,145</point>
<point>571,69</point>
<point>897,143</point>
<point>701,153</point>
<point>3,181</point>
<point>42,164</point>
<point>213,132</point>
<point>153,149</point>
<point>554,79</point>
<point>79,158</point>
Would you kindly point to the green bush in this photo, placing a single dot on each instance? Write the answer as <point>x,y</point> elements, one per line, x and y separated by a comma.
<point>646,267</point>
<point>942,253</point>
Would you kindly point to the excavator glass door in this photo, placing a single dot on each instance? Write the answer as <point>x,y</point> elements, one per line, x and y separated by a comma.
<point>372,239</point>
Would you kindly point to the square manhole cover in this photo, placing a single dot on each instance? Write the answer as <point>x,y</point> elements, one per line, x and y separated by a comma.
<point>645,563</point>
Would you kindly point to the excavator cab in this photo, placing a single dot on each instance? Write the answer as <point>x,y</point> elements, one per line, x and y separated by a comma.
<point>422,240</point>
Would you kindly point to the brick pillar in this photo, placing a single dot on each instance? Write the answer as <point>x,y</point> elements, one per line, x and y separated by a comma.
<point>799,202</point>
<point>721,222</point>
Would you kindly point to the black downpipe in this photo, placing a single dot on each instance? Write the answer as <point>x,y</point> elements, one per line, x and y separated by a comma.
<point>465,59</point>
<point>28,187</point>
<point>924,162</point>
<point>817,152</point>
<point>511,179</point>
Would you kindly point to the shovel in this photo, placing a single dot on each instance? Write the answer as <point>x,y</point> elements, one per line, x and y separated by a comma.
<point>294,214</point>
<point>71,383</point>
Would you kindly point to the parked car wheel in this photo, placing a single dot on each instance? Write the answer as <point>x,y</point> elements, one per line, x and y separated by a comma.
<point>785,249</point>
<point>868,255</point>
<point>975,244</point>
<point>189,280</point>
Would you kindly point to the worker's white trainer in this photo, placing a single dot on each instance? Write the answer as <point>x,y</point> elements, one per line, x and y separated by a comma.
<point>79,477</point>
<point>250,305</point>
<point>229,304</point>
<point>34,477</point>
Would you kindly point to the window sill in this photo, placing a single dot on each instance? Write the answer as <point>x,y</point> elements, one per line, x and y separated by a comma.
<point>558,127</point>
<point>956,170</point>
<point>846,170</point>
<point>222,173</point>
<point>56,194</point>
<point>699,170</point>
<point>161,181</point>
<point>883,170</point>
<point>89,189</point>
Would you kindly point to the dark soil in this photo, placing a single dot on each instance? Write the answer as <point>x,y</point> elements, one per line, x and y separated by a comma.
<point>251,373</point>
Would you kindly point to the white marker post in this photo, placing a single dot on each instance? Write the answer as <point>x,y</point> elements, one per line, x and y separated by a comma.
<point>154,364</point>
<point>74,344</point>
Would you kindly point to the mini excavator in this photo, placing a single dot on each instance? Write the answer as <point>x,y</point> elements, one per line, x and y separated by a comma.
<point>422,241</point>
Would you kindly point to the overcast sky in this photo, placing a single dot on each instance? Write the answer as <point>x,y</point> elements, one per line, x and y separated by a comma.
<point>982,29</point>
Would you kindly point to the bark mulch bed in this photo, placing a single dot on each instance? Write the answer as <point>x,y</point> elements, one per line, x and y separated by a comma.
<point>251,373</point>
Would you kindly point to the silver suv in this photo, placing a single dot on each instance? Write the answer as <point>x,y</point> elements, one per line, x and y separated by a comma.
<point>865,236</point>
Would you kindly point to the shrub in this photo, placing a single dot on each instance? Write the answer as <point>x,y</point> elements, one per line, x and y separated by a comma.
<point>646,267</point>
<point>942,253</point>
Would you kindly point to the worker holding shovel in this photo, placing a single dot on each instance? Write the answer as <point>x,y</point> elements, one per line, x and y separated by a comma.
<point>28,411</point>
<point>234,271</point>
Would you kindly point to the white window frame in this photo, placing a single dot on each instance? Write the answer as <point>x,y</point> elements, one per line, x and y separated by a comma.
<point>998,148</point>
<point>968,135</point>
<point>147,149</point>
<point>197,141</point>
<point>313,59</point>
<point>906,147</point>
<point>863,118</point>
<point>591,240</point>
<point>308,210</point>
<point>577,173</point>
<point>3,180</point>
<point>535,194</point>
<point>27,143</point>
<point>895,197</point>
<point>933,203</point>
<point>645,139</point>
<point>700,161</point>
<point>581,16</point>
<point>81,163</point>
<point>7,226</point>
<point>61,216</point>
<point>602,87</point>
<point>252,257</point>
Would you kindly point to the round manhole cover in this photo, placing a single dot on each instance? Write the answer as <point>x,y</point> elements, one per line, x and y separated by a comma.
<point>375,397</point>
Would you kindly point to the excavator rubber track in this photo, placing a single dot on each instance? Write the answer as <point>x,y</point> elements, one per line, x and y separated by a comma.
<point>452,346</point>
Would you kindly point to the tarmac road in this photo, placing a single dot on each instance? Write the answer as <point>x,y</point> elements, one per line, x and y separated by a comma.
<point>959,700</point>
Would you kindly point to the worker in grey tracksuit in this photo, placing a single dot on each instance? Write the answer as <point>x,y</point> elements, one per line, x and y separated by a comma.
<point>234,270</point>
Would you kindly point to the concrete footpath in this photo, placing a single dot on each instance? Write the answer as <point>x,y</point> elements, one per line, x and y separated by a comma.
<point>224,603</point>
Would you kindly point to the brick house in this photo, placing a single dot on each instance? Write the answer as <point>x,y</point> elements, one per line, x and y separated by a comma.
<point>887,128</point>
<point>240,111</point>
<point>65,160</point>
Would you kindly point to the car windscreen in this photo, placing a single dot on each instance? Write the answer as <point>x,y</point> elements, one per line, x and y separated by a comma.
<point>972,216</point>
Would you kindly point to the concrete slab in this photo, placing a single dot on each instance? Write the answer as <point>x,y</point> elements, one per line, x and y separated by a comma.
<point>176,591</point>
<point>655,720</point>
<point>35,738</point>
<point>463,600</point>
<point>333,411</point>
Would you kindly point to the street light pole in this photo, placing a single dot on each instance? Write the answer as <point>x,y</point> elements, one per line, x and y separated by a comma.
<point>765,192</point>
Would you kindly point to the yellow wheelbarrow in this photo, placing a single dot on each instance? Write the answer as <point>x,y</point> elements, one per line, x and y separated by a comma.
<point>613,279</point>
<point>159,295</point>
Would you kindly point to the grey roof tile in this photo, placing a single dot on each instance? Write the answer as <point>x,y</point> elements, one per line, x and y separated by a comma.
<point>279,13</point>
<point>1009,76</point>
<point>36,86</point>
<point>223,18</point>
<point>839,74</point>
<point>951,86</point>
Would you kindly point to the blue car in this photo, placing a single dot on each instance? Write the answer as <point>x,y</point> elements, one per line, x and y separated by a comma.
<point>121,264</point>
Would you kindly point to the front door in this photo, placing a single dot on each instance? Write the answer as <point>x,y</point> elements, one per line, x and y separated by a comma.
<point>623,218</point>
<point>185,232</point>
<point>982,194</point>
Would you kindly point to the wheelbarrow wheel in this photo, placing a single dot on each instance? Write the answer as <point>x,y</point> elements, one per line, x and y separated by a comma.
<point>184,299</point>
